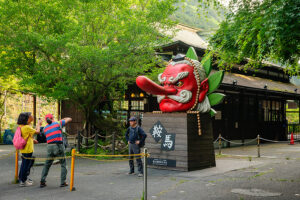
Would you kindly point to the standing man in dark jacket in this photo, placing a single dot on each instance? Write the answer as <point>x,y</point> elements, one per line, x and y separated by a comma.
<point>135,137</point>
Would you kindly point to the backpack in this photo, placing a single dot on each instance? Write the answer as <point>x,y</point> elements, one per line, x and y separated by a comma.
<point>18,141</point>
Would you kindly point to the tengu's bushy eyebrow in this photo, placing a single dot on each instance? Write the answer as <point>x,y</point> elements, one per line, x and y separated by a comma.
<point>160,79</point>
<point>179,76</point>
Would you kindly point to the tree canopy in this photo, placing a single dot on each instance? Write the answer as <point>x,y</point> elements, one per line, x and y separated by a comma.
<point>86,51</point>
<point>260,30</point>
<point>202,15</point>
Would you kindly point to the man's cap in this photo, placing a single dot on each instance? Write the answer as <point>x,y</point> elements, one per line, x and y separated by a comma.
<point>50,116</point>
<point>132,119</point>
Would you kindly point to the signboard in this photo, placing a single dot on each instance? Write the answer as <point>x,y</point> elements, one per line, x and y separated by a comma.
<point>158,131</point>
<point>161,162</point>
<point>168,142</point>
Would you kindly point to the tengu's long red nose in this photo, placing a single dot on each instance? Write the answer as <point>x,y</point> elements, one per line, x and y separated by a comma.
<point>151,87</point>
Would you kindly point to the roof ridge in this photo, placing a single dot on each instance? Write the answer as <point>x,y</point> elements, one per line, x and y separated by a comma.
<point>188,27</point>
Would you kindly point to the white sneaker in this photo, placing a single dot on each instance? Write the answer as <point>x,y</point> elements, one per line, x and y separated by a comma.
<point>25,184</point>
<point>29,180</point>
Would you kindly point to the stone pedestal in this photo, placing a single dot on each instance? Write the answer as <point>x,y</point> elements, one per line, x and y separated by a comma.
<point>174,143</point>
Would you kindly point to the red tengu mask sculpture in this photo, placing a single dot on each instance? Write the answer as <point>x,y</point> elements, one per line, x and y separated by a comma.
<point>183,86</point>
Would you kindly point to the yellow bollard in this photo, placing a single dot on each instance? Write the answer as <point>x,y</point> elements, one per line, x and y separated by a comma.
<point>16,166</point>
<point>72,171</point>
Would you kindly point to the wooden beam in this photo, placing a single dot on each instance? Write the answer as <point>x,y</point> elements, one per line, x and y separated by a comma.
<point>34,110</point>
<point>58,110</point>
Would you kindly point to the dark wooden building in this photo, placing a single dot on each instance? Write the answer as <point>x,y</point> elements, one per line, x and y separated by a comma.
<point>255,101</point>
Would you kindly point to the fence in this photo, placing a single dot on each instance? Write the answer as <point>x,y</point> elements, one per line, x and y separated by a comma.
<point>258,140</point>
<point>83,141</point>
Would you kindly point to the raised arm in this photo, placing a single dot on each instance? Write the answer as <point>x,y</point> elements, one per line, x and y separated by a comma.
<point>38,127</point>
<point>67,119</point>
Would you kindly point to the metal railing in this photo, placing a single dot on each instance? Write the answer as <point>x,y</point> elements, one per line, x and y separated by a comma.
<point>258,140</point>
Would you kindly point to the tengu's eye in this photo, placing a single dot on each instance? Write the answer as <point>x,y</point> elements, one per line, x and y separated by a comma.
<point>179,84</point>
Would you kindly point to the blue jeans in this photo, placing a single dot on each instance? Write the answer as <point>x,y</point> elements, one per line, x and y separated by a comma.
<point>135,149</point>
<point>25,166</point>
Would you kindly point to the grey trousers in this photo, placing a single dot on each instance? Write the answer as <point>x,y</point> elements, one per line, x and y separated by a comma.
<point>55,150</point>
<point>135,149</point>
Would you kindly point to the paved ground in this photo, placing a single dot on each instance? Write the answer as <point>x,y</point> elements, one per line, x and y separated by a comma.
<point>238,175</point>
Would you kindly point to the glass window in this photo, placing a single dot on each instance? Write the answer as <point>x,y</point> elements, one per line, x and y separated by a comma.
<point>124,105</point>
<point>137,105</point>
<point>272,110</point>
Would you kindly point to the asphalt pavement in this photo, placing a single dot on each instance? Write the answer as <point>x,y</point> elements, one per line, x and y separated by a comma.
<point>239,174</point>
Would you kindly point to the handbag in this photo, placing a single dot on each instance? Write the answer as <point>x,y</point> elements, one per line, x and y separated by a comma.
<point>18,141</point>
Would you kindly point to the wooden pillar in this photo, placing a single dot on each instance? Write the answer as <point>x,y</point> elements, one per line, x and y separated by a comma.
<point>96,143</point>
<point>58,109</point>
<point>113,143</point>
<point>283,120</point>
<point>240,125</point>
<point>5,103</point>
<point>128,111</point>
<point>34,110</point>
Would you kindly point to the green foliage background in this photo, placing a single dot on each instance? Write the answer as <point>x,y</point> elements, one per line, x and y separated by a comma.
<point>266,30</point>
<point>199,14</point>
<point>84,51</point>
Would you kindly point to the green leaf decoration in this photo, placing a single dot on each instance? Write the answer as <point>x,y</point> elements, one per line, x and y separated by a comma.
<point>212,112</point>
<point>215,80</point>
<point>215,98</point>
<point>206,62</point>
<point>191,53</point>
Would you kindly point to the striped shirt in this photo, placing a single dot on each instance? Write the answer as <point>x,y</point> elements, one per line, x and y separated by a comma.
<point>53,132</point>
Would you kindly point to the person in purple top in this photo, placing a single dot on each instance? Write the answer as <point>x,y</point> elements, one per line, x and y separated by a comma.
<point>55,148</point>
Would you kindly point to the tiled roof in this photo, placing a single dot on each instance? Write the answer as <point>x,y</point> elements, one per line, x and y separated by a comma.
<point>189,36</point>
<point>256,82</point>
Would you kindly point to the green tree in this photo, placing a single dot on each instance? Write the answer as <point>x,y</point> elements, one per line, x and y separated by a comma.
<point>202,15</point>
<point>85,51</point>
<point>266,30</point>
